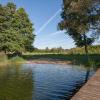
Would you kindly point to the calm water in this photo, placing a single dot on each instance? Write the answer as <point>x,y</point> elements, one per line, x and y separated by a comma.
<point>40,81</point>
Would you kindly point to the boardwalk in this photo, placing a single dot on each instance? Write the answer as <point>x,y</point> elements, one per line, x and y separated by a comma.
<point>90,91</point>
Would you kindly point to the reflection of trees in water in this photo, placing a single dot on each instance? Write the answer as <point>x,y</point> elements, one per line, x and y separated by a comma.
<point>76,88</point>
<point>89,69</point>
<point>16,83</point>
<point>79,83</point>
<point>87,75</point>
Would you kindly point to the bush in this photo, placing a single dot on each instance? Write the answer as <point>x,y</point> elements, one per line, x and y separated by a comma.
<point>17,59</point>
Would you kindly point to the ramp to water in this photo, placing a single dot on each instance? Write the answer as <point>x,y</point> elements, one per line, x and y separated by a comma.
<point>91,91</point>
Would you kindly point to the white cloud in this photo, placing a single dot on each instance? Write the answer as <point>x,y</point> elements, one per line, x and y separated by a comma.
<point>56,33</point>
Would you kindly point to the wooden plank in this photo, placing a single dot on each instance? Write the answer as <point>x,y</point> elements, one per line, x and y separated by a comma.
<point>91,90</point>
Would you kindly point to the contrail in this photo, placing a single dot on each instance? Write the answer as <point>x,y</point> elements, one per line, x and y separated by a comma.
<point>57,32</point>
<point>47,22</point>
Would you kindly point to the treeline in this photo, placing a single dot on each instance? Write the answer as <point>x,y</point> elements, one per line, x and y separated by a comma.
<point>58,50</point>
<point>91,49</point>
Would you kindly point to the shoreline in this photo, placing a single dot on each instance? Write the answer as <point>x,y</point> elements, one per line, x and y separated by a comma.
<point>48,62</point>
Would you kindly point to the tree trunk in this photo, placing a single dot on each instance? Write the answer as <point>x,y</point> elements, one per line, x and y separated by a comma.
<point>5,51</point>
<point>87,57</point>
<point>87,75</point>
<point>86,47</point>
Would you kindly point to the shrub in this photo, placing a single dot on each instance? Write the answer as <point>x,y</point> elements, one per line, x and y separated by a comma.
<point>17,59</point>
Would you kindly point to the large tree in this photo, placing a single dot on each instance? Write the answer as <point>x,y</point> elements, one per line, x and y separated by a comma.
<point>81,19</point>
<point>16,29</point>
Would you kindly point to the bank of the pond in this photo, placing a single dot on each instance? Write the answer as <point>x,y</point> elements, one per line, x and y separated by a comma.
<point>63,58</point>
<point>51,59</point>
<point>20,60</point>
<point>48,62</point>
<point>4,60</point>
<point>17,59</point>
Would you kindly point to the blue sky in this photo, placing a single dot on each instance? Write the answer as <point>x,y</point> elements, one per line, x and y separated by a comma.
<point>45,14</point>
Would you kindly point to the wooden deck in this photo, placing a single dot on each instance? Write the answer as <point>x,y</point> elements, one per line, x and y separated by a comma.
<point>91,90</point>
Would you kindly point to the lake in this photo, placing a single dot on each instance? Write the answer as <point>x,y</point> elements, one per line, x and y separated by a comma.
<point>41,81</point>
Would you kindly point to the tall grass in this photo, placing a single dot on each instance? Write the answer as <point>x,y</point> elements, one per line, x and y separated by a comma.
<point>3,59</point>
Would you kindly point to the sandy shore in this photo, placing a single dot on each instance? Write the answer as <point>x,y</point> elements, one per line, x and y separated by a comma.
<point>48,62</point>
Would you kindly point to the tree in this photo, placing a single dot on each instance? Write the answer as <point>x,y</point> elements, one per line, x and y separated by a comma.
<point>24,25</point>
<point>16,30</point>
<point>79,19</point>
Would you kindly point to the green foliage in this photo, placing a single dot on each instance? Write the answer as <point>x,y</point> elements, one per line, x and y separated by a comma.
<point>80,17</point>
<point>16,60</point>
<point>16,31</point>
<point>75,55</point>
<point>91,50</point>
<point>94,49</point>
<point>48,50</point>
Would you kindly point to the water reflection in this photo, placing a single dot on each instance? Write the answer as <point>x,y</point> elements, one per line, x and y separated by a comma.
<point>57,82</point>
<point>41,81</point>
<point>16,83</point>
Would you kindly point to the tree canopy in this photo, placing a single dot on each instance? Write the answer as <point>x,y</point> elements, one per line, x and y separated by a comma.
<point>16,29</point>
<point>81,18</point>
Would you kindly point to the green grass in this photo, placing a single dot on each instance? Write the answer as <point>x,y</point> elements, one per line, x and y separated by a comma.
<point>75,55</point>
<point>74,58</point>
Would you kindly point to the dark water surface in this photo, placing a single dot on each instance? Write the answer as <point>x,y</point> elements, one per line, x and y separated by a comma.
<point>40,81</point>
